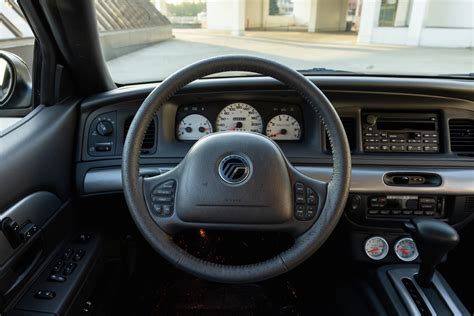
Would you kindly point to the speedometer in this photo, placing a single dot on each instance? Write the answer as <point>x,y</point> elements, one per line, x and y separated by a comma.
<point>239,117</point>
<point>284,127</point>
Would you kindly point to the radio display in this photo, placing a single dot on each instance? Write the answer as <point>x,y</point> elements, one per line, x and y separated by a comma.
<point>406,125</point>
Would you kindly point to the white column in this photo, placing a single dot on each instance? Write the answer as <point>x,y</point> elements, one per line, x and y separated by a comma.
<point>313,10</point>
<point>226,15</point>
<point>369,20</point>
<point>416,21</point>
<point>238,18</point>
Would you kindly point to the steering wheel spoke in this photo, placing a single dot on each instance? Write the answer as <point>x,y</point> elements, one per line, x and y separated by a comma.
<point>160,193</point>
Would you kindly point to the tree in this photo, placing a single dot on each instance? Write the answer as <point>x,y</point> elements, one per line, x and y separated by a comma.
<point>186,8</point>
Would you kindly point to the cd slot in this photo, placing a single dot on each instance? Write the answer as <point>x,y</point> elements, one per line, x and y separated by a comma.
<point>393,125</point>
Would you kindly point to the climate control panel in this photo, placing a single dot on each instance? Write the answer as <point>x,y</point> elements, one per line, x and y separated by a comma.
<point>386,206</point>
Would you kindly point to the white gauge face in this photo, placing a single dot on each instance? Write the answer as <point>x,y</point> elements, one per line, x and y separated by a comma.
<point>376,248</point>
<point>284,127</point>
<point>406,250</point>
<point>239,117</point>
<point>193,127</point>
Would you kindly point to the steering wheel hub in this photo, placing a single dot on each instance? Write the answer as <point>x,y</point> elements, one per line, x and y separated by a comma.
<point>235,169</point>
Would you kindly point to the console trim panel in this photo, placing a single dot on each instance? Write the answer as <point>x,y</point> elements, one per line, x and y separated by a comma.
<point>364,179</point>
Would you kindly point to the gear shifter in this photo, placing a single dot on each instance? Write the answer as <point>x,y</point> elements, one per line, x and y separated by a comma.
<point>434,239</point>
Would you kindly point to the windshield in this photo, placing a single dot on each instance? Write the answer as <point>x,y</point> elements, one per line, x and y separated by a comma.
<point>147,40</point>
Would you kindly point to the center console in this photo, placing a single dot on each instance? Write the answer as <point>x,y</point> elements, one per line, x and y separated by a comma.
<point>420,289</point>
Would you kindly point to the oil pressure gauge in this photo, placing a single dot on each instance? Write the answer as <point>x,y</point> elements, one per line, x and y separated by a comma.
<point>405,249</point>
<point>376,248</point>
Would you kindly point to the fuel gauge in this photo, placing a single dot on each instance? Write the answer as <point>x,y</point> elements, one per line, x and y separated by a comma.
<point>193,127</point>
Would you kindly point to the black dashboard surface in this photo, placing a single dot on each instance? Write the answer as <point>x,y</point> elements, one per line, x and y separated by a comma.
<point>351,96</point>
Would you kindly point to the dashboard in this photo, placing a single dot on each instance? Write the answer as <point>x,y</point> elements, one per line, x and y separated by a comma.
<point>412,144</point>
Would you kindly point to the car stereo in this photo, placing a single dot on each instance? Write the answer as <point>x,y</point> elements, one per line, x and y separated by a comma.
<point>400,132</point>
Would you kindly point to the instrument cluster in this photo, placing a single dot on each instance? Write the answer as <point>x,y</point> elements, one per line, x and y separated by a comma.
<point>280,122</point>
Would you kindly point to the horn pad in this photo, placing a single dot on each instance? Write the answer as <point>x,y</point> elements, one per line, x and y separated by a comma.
<point>234,178</point>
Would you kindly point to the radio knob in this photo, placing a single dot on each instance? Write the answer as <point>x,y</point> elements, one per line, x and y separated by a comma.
<point>104,128</point>
<point>371,119</point>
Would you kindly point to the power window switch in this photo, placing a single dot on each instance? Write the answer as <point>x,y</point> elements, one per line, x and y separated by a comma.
<point>56,278</point>
<point>69,268</point>
<point>78,255</point>
<point>45,295</point>
<point>57,267</point>
<point>27,231</point>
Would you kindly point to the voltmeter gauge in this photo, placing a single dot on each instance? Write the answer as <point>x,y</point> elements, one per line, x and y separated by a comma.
<point>376,248</point>
<point>284,127</point>
<point>405,249</point>
<point>193,127</point>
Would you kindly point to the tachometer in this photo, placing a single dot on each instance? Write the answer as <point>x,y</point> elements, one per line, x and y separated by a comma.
<point>239,117</point>
<point>406,250</point>
<point>284,127</point>
<point>376,248</point>
<point>193,127</point>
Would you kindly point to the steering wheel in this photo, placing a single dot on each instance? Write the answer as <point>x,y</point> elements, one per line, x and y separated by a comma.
<point>236,181</point>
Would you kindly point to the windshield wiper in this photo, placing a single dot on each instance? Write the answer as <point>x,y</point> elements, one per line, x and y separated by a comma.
<point>322,70</point>
<point>468,75</point>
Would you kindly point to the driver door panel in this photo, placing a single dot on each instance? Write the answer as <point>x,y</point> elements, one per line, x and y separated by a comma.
<point>35,193</point>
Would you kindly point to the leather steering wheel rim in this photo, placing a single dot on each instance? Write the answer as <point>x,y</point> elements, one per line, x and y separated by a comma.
<point>304,245</point>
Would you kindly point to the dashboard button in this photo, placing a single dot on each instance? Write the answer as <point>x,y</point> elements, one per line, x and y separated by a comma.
<point>45,295</point>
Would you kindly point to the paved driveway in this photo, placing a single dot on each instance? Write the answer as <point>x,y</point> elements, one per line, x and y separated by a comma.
<point>299,50</point>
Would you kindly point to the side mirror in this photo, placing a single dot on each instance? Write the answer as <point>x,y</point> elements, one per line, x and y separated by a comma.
<point>15,82</point>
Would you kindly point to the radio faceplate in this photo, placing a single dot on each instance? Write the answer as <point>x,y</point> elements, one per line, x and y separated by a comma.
<point>400,132</point>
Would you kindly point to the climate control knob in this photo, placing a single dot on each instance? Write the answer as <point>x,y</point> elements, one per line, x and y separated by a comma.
<point>104,128</point>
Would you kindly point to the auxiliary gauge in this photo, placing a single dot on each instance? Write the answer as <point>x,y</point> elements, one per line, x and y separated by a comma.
<point>376,248</point>
<point>405,249</point>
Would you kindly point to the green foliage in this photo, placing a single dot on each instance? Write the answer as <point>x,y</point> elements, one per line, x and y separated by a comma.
<point>186,8</point>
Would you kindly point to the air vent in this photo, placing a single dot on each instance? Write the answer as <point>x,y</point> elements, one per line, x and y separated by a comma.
<point>349,127</point>
<point>469,204</point>
<point>461,133</point>
<point>149,140</point>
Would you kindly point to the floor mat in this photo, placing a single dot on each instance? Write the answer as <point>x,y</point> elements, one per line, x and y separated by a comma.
<point>198,297</point>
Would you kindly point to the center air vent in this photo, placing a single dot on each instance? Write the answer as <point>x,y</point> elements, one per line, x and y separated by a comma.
<point>461,133</point>
<point>149,141</point>
<point>469,204</point>
<point>349,127</point>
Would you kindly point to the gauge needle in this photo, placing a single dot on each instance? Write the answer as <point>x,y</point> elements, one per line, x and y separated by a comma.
<point>374,249</point>
<point>404,251</point>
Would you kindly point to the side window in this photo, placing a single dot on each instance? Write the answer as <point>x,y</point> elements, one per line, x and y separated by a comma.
<point>16,62</point>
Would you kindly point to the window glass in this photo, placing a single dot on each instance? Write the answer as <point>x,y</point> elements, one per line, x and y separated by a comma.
<point>394,13</point>
<point>147,40</point>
